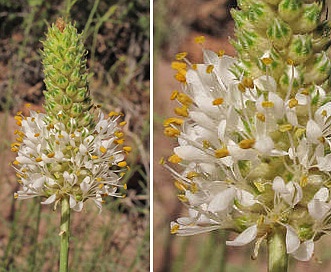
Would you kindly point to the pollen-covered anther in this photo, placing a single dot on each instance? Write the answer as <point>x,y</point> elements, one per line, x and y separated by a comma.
<point>184,99</point>
<point>206,144</point>
<point>267,61</point>
<point>51,155</point>
<point>220,53</point>
<point>173,120</point>
<point>290,62</point>
<point>174,229</point>
<point>200,39</point>
<point>285,127</point>
<point>260,116</point>
<point>324,113</point>
<point>267,104</point>
<point>221,153</point>
<point>193,187</point>
<point>248,82</point>
<point>209,69</point>
<point>218,101</point>
<point>192,174</point>
<point>180,185</point>
<point>122,164</point>
<point>241,87</point>
<point>181,56</point>
<point>182,198</point>
<point>174,159</point>
<point>246,143</point>
<point>171,132</point>
<point>127,149</point>
<point>38,159</point>
<point>174,95</point>
<point>119,134</point>
<point>182,111</point>
<point>293,102</point>
<point>102,149</point>
<point>321,139</point>
<point>123,123</point>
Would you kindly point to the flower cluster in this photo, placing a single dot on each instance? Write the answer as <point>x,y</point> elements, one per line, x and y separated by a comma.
<point>73,151</point>
<point>253,158</point>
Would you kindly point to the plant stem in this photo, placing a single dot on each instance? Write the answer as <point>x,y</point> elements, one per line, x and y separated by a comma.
<point>278,258</point>
<point>64,233</point>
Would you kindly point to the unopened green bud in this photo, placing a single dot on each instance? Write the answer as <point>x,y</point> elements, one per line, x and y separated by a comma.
<point>279,33</point>
<point>300,48</point>
<point>64,59</point>
<point>289,10</point>
<point>309,19</point>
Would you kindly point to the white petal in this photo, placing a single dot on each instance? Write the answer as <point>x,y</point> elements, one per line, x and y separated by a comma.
<point>305,251</point>
<point>222,200</point>
<point>49,200</point>
<point>247,236</point>
<point>317,209</point>
<point>264,145</point>
<point>266,83</point>
<point>322,194</point>
<point>245,198</point>
<point>313,132</point>
<point>292,240</point>
<point>191,153</point>
<point>278,185</point>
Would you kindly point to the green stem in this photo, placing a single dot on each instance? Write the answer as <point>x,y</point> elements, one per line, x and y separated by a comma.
<point>64,233</point>
<point>278,258</point>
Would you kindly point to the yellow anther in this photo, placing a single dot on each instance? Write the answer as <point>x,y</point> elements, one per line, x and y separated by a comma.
<point>173,120</point>
<point>193,188</point>
<point>119,134</point>
<point>14,149</point>
<point>206,144</point>
<point>178,65</point>
<point>221,53</point>
<point>267,104</point>
<point>19,139</point>
<point>60,136</point>
<point>174,229</point>
<point>285,127</point>
<point>51,155</point>
<point>182,198</point>
<point>260,116</point>
<point>194,66</point>
<point>18,120</point>
<point>94,157</point>
<point>99,179</point>
<point>299,132</point>
<point>162,161</point>
<point>209,69</point>
<point>303,181</point>
<point>247,143</point>
<point>174,94</point>
<point>15,144</point>
<point>50,126</point>
<point>305,92</point>
<point>122,174</point>
<point>119,141</point>
<point>321,139</point>
<point>101,185</point>
<point>38,159</point>
<point>180,76</point>
<point>221,153</point>
<point>290,62</point>
<point>174,159</point>
<point>218,101</point>
<point>192,174</point>
<point>15,195</point>
<point>184,99</point>
<point>36,134</point>
<point>182,111</point>
<point>248,82</point>
<point>293,102</point>
<point>127,148</point>
<point>28,105</point>
<point>171,132</point>
<point>200,39</point>
<point>259,186</point>
<point>267,61</point>
<point>122,124</point>
<point>113,113</point>
<point>103,149</point>
<point>324,113</point>
<point>180,185</point>
<point>181,56</point>
<point>15,162</point>
<point>125,187</point>
<point>122,164</point>
<point>241,87</point>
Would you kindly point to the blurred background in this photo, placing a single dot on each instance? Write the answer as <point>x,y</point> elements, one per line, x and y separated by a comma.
<point>117,38</point>
<point>176,24</point>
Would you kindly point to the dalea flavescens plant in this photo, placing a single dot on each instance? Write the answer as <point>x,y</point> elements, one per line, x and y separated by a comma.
<point>73,152</point>
<point>253,132</point>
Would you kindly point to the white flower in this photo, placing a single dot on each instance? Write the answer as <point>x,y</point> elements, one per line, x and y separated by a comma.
<point>53,162</point>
